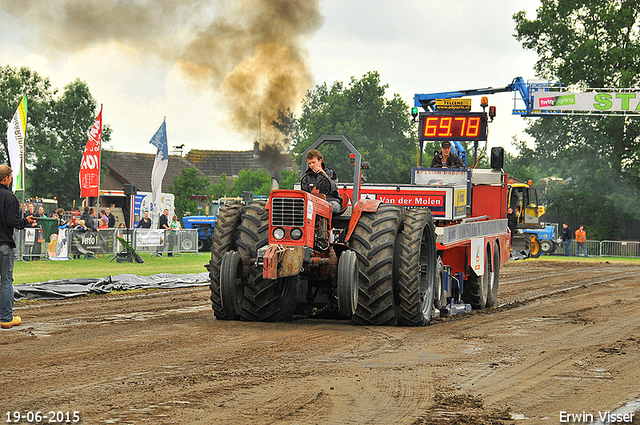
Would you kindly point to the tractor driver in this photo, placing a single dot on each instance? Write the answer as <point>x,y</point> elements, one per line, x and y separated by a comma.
<point>446,159</point>
<point>321,179</point>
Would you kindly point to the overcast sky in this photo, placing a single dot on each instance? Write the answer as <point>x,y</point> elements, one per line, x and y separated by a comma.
<point>417,46</point>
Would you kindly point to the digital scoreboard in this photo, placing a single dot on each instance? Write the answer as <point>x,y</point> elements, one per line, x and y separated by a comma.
<point>447,126</point>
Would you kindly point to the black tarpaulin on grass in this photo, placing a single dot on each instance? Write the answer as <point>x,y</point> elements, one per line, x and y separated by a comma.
<point>69,288</point>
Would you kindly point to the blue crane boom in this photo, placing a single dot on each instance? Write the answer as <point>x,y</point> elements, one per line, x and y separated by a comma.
<point>427,101</point>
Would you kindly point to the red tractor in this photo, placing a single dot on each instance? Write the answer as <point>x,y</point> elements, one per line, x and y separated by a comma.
<point>378,263</point>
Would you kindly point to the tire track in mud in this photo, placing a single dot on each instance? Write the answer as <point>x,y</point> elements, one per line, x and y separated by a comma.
<point>565,339</point>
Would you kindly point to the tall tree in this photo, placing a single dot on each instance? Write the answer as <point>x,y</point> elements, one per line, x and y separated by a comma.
<point>588,44</point>
<point>379,127</point>
<point>186,187</point>
<point>57,131</point>
<point>258,182</point>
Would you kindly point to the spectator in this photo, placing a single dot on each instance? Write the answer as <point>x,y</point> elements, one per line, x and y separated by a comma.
<point>512,221</point>
<point>10,219</point>
<point>34,250</point>
<point>566,238</point>
<point>103,222</point>
<point>110,217</point>
<point>60,213</point>
<point>581,241</point>
<point>87,218</point>
<point>175,224</point>
<point>81,225</point>
<point>164,225</point>
<point>31,210</point>
<point>41,211</point>
<point>145,222</point>
<point>96,218</point>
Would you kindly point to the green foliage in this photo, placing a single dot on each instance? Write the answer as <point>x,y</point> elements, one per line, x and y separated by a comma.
<point>57,131</point>
<point>596,44</point>
<point>593,43</point>
<point>289,178</point>
<point>258,182</point>
<point>221,189</point>
<point>380,128</point>
<point>190,183</point>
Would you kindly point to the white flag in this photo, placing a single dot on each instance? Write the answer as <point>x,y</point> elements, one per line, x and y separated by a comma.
<point>159,140</point>
<point>16,132</point>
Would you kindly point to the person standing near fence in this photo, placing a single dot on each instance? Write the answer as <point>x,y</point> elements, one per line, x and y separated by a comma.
<point>10,218</point>
<point>110,217</point>
<point>145,222</point>
<point>581,241</point>
<point>566,238</point>
<point>164,225</point>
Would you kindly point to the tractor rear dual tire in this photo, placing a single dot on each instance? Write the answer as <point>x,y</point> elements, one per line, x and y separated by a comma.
<point>223,240</point>
<point>374,241</point>
<point>416,264</point>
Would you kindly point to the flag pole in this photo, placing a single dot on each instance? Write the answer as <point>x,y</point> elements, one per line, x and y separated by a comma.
<point>100,151</point>
<point>24,151</point>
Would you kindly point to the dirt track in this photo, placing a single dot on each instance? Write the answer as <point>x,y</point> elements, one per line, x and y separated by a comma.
<point>564,337</point>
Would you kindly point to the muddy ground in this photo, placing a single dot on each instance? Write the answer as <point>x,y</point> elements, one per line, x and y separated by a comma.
<point>565,337</point>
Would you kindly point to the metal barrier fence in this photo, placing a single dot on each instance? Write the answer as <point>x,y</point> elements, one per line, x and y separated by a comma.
<point>34,244</point>
<point>630,249</point>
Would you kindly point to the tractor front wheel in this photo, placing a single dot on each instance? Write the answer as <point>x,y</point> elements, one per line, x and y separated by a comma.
<point>348,283</point>
<point>231,285</point>
<point>547,246</point>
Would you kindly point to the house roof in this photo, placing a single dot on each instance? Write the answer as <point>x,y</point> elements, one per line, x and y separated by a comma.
<point>135,168</point>
<point>214,163</point>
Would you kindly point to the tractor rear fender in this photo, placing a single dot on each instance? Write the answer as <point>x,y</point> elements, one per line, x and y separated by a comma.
<point>363,205</point>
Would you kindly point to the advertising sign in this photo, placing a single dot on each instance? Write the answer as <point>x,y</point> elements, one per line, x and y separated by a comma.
<point>610,102</point>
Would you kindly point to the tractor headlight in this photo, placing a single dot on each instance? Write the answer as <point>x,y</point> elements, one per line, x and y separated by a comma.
<point>278,233</point>
<point>296,234</point>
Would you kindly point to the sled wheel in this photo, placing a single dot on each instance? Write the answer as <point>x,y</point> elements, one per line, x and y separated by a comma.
<point>440,294</point>
<point>476,288</point>
<point>348,283</point>
<point>494,277</point>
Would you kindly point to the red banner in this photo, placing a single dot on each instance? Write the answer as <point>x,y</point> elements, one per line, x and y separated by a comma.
<point>90,166</point>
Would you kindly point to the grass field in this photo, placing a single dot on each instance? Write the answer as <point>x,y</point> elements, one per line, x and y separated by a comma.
<point>44,270</point>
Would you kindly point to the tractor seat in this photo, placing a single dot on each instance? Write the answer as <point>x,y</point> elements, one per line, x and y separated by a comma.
<point>344,198</point>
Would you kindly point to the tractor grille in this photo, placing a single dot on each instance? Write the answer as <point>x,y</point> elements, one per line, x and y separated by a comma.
<point>287,212</point>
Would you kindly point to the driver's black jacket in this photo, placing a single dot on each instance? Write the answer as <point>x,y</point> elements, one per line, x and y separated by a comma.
<point>326,186</point>
<point>453,161</point>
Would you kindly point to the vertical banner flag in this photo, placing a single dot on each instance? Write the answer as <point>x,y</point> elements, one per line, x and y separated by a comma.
<point>159,140</point>
<point>16,132</point>
<point>90,165</point>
